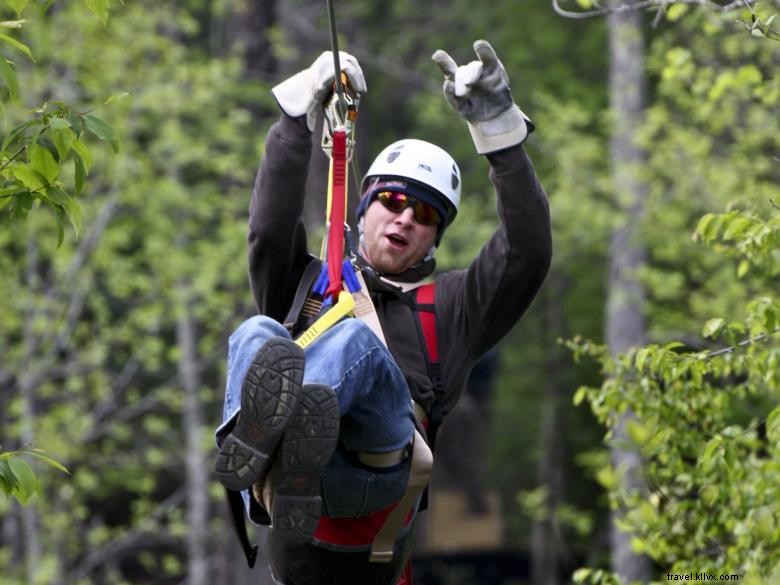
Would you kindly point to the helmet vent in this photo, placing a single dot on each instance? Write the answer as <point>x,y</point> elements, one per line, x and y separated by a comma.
<point>424,167</point>
<point>392,156</point>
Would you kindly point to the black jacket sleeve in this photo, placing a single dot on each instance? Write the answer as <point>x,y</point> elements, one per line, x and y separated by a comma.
<point>277,238</point>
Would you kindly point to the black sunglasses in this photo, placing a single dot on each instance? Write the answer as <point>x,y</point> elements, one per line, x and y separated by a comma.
<point>424,213</point>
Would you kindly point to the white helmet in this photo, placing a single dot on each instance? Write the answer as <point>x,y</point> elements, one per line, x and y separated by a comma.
<point>423,163</point>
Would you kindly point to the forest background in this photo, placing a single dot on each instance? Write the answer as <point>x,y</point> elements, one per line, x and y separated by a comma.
<point>631,428</point>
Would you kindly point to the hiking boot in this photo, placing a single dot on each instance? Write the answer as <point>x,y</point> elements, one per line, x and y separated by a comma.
<point>269,397</point>
<point>306,448</point>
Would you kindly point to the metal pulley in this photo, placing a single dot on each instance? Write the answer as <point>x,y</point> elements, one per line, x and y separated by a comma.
<point>340,113</point>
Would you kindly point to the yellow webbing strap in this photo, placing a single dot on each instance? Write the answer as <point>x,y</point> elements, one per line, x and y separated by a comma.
<point>333,315</point>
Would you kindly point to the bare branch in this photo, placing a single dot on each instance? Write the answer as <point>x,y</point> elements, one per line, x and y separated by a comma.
<point>661,5</point>
<point>741,344</point>
<point>145,529</point>
<point>110,415</point>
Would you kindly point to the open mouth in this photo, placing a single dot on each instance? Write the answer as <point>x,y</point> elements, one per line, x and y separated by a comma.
<point>397,241</point>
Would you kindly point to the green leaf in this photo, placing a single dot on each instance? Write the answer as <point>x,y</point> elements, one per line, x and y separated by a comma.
<point>18,46</point>
<point>773,426</point>
<point>63,139</point>
<point>709,494</point>
<point>17,5</point>
<point>43,161</point>
<point>736,228</point>
<point>712,327</point>
<point>28,483</point>
<point>68,204</point>
<point>7,476</point>
<point>703,229</point>
<point>61,220</point>
<point>637,432</point>
<point>30,177</point>
<point>16,132</point>
<point>641,358</point>
<point>58,123</point>
<point>675,11</point>
<point>8,75</point>
<point>79,175</point>
<point>117,97</point>
<point>39,453</point>
<point>86,156</point>
<point>99,7</point>
<point>19,23</point>
<point>102,130</point>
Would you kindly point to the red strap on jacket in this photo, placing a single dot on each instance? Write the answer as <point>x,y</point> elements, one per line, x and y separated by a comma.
<point>425,296</point>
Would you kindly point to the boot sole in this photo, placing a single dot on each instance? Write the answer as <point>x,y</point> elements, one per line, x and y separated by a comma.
<point>306,449</point>
<point>269,397</point>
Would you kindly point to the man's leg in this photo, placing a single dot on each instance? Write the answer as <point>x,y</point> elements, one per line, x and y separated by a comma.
<point>374,400</point>
<point>265,371</point>
<point>266,407</point>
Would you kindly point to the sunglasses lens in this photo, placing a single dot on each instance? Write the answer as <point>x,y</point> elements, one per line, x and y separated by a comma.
<point>393,201</point>
<point>426,214</point>
<point>396,202</point>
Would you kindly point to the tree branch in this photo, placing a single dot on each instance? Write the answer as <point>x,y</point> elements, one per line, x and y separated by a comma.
<point>143,530</point>
<point>659,4</point>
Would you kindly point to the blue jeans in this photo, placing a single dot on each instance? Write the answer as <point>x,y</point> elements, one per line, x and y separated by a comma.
<point>374,402</point>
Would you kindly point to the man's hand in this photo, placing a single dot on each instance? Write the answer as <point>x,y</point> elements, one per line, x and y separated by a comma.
<point>479,91</point>
<point>307,90</point>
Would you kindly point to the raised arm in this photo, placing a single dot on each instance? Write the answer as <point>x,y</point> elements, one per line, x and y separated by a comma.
<point>485,300</point>
<point>277,239</point>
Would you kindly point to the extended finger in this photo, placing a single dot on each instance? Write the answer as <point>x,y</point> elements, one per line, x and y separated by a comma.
<point>486,54</point>
<point>351,67</point>
<point>445,63</point>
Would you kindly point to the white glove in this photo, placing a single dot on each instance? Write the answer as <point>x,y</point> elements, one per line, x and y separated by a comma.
<point>480,93</point>
<point>307,90</point>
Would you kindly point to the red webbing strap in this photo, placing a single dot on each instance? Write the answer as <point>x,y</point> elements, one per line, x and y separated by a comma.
<point>425,296</point>
<point>337,209</point>
<point>354,531</point>
<point>406,577</point>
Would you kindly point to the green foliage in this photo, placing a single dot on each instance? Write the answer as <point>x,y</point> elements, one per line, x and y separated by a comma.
<point>32,158</point>
<point>706,426</point>
<point>17,478</point>
<point>34,153</point>
<point>758,23</point>
<point>91,328</point>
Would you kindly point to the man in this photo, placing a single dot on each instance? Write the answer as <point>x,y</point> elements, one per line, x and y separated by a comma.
<point>322,437</point>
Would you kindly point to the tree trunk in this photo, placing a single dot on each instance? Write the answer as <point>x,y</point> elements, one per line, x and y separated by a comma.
<point>29,515</point>
<point>625,326</point>
<point>546,539</point>
<point>195,461</point>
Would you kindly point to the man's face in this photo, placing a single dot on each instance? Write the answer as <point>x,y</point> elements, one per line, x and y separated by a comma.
<point>393,242</point>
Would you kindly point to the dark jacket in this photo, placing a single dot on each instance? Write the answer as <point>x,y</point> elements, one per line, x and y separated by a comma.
<point>475,306</point>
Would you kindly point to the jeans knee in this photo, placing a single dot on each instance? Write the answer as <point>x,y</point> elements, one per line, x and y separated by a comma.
<point>258,326</point>
<point>357,332</point>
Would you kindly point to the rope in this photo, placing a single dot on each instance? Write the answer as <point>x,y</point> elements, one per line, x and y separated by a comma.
<point>334,43</point>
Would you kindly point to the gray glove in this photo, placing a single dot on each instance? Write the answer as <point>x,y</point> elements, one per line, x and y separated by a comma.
<point>480,93</point>
<point>305,91</point>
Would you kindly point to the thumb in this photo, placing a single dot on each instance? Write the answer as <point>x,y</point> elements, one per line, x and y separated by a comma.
<point>446,64</point>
